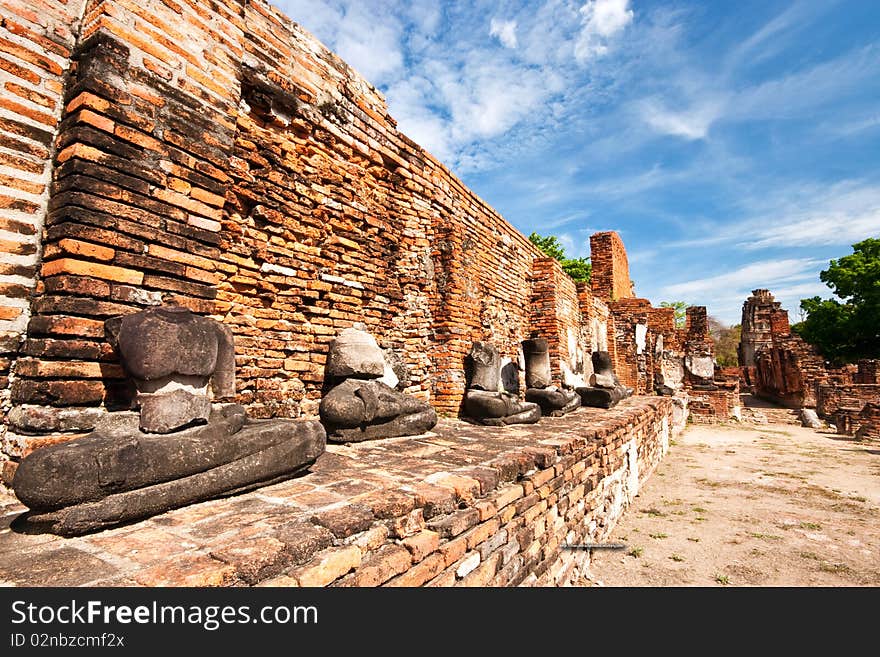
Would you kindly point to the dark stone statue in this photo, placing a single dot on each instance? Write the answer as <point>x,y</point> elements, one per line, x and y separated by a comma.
<point>171,354</point>
<point>605,389</point>
<point>484,400</point>
<point>539,389</point>
<point>358,406</point>
<point>179,449</point>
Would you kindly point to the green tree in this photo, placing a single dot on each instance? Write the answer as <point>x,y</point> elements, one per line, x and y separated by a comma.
<point>847,331</point>
<point>578,268</point>
<point>680,308</point>
<point>726,339</point>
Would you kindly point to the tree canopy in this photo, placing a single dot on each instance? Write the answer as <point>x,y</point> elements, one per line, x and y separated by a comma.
<point>726,339</point>
<point>845,332</point>
<point>680,308</point>
<point>578,268</point>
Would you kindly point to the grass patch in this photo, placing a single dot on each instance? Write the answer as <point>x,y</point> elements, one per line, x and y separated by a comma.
<point>765,537</point>
<point>658,535</point>
<point>654,511</point>
<point>676,557</point>
<point>859,498</point>
<point>708,482</point>
<point>810,525</point>
<point>636,552</point>
<point>722,579</point>
<point>699,509</point>
<point>809,555</point>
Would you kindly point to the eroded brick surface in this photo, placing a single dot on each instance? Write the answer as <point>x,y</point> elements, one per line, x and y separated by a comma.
<point>298,533</point>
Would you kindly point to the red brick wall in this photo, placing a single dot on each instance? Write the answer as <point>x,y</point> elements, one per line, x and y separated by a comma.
<point>610,277</point>
<point>832,397</point>
<point>36,39</point>
<point>868,371</point>
<point>218,157</point>
<point>557,316</point>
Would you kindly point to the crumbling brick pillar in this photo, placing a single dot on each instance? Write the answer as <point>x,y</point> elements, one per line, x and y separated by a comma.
<point>556,316</point>
<point>610,276</point>
<point>760,321</point>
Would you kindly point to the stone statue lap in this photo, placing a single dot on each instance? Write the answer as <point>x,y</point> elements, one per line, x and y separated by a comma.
<point>179,449</point>
<point>360,405</point>
<point>484,400</point>
<point>605,389</point>
<point>553,401</point>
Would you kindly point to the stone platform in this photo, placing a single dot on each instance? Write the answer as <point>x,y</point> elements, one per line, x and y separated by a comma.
<point>461,505</point>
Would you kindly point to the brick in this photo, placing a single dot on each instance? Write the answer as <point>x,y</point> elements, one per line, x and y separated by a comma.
<point>254,559</point>
<point>420,572</point>
<point>345,521</point>
<point>93,269</point>
<point>188,570</point>
<point>482,574</point>
<point>389,560</point>
<point>508,495</point>
<point>328,566</point>
<point>455,523</point>
<point>60,325</point>
<point>482,532</point>
<point>422,544</point>
<point>85,249</point>
<point>467,565</point>
<point>453,550</point>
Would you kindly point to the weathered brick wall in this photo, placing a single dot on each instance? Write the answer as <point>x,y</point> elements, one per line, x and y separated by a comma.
<point>36,39</point>
<point>218,157</point>
<point>832,397</point>
<point>869,422</point>
<point>556,315</point>
<point>868,371</point>
<point>461,506</point>
<point>790,370</point>
<point>137,197</point>
<point>610,274</point>
<point>778,364</point>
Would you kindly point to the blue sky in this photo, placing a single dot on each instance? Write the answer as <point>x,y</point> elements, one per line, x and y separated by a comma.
<point>733,145</point>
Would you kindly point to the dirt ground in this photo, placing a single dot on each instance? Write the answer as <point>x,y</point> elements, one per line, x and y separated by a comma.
<point>742,505</point>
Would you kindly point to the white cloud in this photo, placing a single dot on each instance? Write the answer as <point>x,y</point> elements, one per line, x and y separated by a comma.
<point>602,20</point>
<point>691,124</point>
<point>505,31</point>
<point>763,273</point>
<point>367,37</point>
<point>799,215</point>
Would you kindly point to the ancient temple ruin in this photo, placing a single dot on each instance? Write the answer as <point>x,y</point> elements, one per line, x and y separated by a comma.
<point>220,159</point>
<point>778,365</point>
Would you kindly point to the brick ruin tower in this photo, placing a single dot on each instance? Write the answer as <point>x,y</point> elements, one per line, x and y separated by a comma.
<point>610,277</point>
<point>762,318</point>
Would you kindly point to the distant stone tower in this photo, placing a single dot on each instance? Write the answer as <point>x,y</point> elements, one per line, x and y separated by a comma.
<point>762,318</point>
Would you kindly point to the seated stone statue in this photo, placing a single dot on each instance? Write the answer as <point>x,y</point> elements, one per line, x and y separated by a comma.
<point>179,449</point>
<point>539,389</point>
<point>605,389</point>
<point>360,405</point>
<point>485,401</point>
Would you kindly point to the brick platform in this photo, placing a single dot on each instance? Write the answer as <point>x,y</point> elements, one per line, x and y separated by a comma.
<point>463,505</point>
